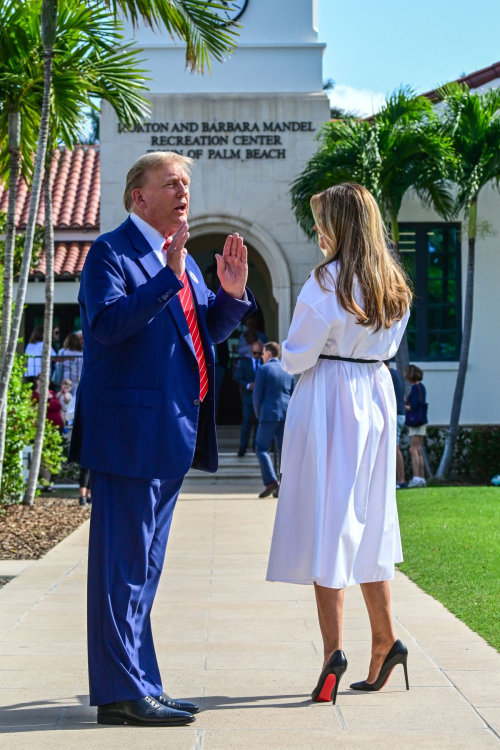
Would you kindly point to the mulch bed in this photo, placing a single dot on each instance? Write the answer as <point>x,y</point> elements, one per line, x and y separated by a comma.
<point>27,533</point>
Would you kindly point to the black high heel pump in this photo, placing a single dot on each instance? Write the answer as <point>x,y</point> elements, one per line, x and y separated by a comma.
<point>329,679</point>
<point>397,655</point>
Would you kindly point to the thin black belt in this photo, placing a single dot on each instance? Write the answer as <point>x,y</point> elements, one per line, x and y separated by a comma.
<point>349,359</point>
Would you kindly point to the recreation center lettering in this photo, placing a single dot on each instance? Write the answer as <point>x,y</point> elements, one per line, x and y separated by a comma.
<point>220,140</point>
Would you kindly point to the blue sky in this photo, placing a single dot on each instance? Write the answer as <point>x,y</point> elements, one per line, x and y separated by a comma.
<point>373,47</point>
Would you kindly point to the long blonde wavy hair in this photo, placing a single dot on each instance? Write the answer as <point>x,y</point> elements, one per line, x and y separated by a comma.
<point>348,219</point>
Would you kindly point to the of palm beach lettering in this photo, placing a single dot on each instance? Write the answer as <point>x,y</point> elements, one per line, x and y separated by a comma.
<point>221,140</point>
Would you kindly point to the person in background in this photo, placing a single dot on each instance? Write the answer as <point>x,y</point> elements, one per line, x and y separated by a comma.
<point>398,382</point>
<point>34,351</point>
<point>54,408</point>
<point>65,396</point>
<point>72,368</point>
<point>250,335</point>
<point>84,483</point>
<point>56,339</point>
<point>54,415</point>
<point>80,337</point>
<point>245,376</point>
<point>414,401</point>
<point>271,396</point>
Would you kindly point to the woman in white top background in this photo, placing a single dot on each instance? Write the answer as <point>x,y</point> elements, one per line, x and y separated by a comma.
<point>34,351</point>
<point>336,523</point>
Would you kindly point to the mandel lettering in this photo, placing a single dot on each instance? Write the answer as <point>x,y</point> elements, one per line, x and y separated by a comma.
<point>221,139</point>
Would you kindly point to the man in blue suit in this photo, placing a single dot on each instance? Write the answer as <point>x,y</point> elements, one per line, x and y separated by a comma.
<point>271,396</point>
<point>144,416</point>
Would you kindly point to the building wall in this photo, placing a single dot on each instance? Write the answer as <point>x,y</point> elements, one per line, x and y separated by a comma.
<point>481,402</point>
<point>248,194</point>
<point>273,83</point>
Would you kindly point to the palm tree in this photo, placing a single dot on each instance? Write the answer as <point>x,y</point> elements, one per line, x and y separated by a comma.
<point>472,121</point>
<point>90,62</point>
<point>400,148</point>
<point>194,21</point>
<point>48,33</point>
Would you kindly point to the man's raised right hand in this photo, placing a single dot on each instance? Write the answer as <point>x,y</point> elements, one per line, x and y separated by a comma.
<point>176,253</point>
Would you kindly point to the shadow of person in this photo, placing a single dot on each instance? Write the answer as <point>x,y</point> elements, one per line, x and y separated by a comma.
<point>74,712</point>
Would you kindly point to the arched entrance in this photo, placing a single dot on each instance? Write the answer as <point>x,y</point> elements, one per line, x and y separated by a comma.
<point>271,275</point>
<point>269,280</point>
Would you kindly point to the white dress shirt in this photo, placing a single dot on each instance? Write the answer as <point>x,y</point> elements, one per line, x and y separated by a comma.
<point>152,235</point>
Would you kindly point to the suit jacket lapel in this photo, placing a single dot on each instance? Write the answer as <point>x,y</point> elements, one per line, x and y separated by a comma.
<point>148,259</point>
<point>152,265</point>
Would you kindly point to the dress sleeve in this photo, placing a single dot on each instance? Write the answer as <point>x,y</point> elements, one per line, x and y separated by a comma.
<point>307,337</point>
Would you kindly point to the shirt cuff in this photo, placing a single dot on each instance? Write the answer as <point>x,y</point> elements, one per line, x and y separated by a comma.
<point>248,384</point>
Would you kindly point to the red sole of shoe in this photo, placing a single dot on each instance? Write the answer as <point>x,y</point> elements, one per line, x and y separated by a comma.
<point>387,680</point>
<point>326,691</point>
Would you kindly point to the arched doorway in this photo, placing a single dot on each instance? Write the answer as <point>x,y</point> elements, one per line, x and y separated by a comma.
<point>268,278</point>
<point>266,256</point>
<point>203,250</point>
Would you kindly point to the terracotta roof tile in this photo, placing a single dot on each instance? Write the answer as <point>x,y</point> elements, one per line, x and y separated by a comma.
<point>473,80</point>
<point>75,192</point>
<point>68,260</point>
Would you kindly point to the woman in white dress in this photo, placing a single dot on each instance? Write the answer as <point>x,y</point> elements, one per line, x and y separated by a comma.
<point>336,523</point>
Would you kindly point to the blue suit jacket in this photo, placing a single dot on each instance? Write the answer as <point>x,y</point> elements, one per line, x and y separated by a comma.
<point>137,407</point>
<point>244,375</point>
<point>272,391</point>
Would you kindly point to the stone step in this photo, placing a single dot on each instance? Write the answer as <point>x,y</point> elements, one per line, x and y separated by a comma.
<point>223,473</point>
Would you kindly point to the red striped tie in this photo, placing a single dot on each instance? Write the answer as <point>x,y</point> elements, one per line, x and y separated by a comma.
<point>186,300</point>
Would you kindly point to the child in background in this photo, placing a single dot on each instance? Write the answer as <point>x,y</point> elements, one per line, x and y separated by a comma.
<point>416,407</point>
<point>65,396</point>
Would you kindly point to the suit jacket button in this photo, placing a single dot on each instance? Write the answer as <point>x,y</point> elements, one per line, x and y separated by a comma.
<point>160,299</point>
<point>196,402</point>
<point>170,291</point>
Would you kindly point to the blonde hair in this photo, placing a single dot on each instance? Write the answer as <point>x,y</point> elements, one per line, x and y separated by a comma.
<point>349,220</point>
<point>137,172</point>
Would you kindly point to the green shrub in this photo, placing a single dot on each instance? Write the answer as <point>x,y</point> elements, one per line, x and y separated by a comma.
<point>477,453</point>
<point>21,429</point>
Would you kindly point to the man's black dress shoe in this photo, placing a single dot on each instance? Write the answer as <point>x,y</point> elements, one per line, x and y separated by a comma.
<point>192,708</point>
<point>269,489</point>
<point>241,452</point>
<point>142,712</point>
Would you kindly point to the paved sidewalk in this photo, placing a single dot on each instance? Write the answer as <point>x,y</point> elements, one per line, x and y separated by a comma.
<point>250,651</point>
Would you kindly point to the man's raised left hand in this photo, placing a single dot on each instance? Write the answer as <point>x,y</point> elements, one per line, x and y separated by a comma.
<point>232,266</point>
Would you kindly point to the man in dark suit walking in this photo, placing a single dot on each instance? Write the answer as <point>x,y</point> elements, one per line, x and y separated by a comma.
<point>245,376</point>
<point>144,416</point>
<point>271,396</point>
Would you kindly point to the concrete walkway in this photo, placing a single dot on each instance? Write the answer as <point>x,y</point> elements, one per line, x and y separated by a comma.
<point>250,651</point>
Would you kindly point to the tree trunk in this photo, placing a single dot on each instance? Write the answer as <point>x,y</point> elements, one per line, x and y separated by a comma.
<point>49,13</point>
<point>47,340</point>
<point>444,469</point>
<point>13,144</point>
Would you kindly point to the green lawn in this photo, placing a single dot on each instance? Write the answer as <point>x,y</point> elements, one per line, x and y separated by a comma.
<point>451,546</point>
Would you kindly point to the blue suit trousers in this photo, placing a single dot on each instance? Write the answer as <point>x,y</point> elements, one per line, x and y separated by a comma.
<point>129,530</point>
<point>266,433</point>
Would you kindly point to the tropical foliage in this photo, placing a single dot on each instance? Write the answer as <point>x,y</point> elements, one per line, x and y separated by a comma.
<point>400,148</point>
<point>472,123</point>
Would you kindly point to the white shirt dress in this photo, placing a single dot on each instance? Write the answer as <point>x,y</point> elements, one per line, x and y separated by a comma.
<point>337,522</point>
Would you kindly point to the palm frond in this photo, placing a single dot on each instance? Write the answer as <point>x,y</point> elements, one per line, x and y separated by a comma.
<point>193,21</point>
